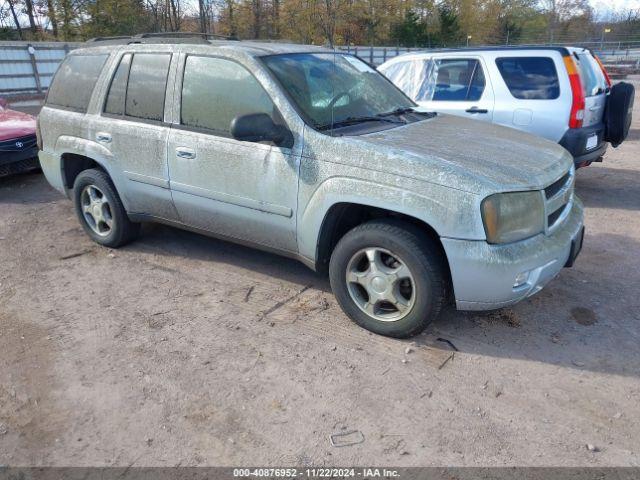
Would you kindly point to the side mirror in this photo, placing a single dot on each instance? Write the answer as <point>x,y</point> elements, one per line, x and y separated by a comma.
<point>260,127</point>
<point>4,103</point>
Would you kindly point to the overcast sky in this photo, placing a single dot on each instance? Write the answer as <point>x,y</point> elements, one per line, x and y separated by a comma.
<point>604,8</point>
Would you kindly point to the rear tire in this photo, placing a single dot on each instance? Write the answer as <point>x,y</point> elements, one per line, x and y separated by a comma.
<point>100,210</point>
<point>388,277</point>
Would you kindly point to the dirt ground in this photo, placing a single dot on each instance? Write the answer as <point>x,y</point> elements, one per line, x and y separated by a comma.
<point>183,350</point>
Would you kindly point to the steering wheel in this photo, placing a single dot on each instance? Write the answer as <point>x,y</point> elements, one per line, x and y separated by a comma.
<point>335,99</point>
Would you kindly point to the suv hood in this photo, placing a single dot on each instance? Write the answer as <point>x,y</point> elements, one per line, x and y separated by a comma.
<point>15,124</point>
<point>470,155</point>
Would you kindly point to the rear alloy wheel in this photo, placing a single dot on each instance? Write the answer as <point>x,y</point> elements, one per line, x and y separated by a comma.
<point>388,277</point>
<point>96,210</point>
<point>100,210</point>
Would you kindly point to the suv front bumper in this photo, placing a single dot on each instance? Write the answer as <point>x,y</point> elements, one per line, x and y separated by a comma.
<point>15,159</point>
<point>484,275</point>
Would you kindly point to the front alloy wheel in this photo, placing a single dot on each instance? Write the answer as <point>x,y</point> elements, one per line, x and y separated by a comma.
<point>389,277</point>
<point>381,284</point>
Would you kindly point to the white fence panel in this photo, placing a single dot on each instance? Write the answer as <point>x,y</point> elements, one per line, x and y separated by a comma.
<point>28,67</point>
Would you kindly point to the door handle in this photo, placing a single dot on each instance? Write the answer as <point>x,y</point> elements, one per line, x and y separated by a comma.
<point>476,110</point>
<point>184,152</point>
<point>103,137</point>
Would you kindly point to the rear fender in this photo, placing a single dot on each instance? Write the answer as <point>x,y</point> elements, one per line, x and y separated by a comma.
<point>101,155</point>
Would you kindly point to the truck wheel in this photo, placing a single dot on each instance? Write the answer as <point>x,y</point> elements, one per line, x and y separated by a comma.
<point>388,277</point>
<point>100,210</point>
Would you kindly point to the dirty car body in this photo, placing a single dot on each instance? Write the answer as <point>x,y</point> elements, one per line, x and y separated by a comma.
<point>316,172</point>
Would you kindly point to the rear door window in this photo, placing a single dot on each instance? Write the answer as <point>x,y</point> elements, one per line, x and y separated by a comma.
<point>147,84</point>
<point>591,75</point>
<point>455,80</point>
<point>530,78</point>
<point>74,82</point>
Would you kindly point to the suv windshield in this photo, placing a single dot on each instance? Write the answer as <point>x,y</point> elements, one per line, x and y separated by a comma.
<point>333,90</point>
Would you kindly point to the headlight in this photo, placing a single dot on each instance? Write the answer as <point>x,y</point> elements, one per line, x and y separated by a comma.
<point>509,217</point>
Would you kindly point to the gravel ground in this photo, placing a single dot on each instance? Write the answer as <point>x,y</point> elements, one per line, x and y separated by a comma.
<point>183,350</point>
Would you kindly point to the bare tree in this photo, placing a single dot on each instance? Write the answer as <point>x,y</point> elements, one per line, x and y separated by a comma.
<point>328,20</point>
<point>202,12</point>
<point>15,18</point>
<point>32,20</point>
<point>175,12</point>
<point>51,12</point>
<point>257,18</point>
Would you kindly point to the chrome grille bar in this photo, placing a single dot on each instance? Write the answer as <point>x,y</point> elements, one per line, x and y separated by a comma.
<point>558,201</point>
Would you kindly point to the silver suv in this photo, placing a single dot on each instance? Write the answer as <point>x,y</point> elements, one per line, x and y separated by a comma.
<point>314,155</point>
<point>559,93</point>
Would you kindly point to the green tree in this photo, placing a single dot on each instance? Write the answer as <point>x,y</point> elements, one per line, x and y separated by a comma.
<point>411,32</point>
<point>449,33</point>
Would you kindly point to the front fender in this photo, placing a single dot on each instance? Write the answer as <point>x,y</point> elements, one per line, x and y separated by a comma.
<point>450,212</point>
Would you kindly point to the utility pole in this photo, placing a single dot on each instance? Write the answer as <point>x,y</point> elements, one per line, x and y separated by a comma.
<point>604,30</point>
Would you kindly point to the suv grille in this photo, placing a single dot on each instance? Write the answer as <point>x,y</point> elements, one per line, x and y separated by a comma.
<point>559,200</point>
<point>556,186</point>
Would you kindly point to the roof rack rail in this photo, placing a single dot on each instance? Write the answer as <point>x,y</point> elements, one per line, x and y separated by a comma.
<point>106,39</point>
<point>162,37</point>
<point>205,36</point>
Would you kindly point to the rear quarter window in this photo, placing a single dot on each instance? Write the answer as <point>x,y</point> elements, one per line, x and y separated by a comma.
<point>147,86</point>
<point>117,90</point>
<point>74,82</point>
<point>530,78</point>
<point>591,75</point>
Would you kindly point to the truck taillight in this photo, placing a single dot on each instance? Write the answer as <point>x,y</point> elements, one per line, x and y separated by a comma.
<point>38,134</point>
<point>577,91</point>
<point>604,71</point>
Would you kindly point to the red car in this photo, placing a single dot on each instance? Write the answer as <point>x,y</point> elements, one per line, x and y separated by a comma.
<point>18,148</point>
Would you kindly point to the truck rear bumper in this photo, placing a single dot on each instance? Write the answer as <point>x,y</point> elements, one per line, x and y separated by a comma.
<point>486,277</point>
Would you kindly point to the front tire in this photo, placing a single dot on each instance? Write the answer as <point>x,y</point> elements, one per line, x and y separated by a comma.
<point>100,210</point>
<point>388,277</point>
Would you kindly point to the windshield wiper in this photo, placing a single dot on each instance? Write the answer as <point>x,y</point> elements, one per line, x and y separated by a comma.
<point>397,111</point>
<point>355,120</point>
